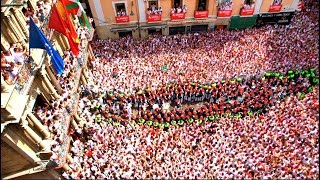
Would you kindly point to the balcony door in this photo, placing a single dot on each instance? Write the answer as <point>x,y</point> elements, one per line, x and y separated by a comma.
<point>177,3</point>
<point>202,5</point>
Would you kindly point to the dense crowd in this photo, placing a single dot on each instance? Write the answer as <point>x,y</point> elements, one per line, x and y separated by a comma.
<point>254,90</point>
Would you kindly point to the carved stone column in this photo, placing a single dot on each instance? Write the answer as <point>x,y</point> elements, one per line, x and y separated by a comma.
<point>49,85</point>
<point>17,27</point>
<point>10,29</point>
<point>54,80</point>
<point>34,136</point>
<point>83,79</point>
<point>21,20</point>
<point>66,167</point>
<point>39,125</point>
<point>74,124</point>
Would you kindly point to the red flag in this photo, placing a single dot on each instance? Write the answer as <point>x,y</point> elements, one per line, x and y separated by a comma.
<point>66,16</point>
<point>56,22</point>
<point>61,22</point>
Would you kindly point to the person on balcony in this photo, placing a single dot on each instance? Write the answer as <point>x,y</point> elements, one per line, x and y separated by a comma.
<point>173,10</point>
<point>184,9</point>
<point>19,56</point>
<point>179,10</point>
<point>159,11</point>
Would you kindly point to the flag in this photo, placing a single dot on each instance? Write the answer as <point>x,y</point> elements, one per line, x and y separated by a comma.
<point>60,21</point>
<point>66,17</point>
<point>38,40</point>
<point>74,7</point>
<point>56,22</point>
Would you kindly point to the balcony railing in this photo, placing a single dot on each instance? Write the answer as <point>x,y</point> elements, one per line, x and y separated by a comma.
<point>275,8</point>
<point>201,14</point>
<point>224,13</point>
<point>246,12</point>
<point>178,16</point>
<point>122,19</point>
<point>154,17</point>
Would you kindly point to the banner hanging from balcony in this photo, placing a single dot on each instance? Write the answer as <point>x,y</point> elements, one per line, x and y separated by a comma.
<point>246,12</point>
<point>275,8</point>
<point>74,7</point>
<point>154,18</point>
<point>201,14</point>
<point>224,13</point>
<point>122,19</point>
<point>38,40</point>
<point>178,16</point>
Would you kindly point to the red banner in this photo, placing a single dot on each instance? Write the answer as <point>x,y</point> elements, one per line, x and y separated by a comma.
<point>247,12</point>
<point>275,8</point>
<point>224,13</point>
<point>122,19</point>
<point>154,18</point>
<point>178,16</point>
<point>201,14</point>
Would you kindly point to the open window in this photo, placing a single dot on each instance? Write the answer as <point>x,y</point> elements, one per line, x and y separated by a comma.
<point>153,8</point>
<point>120,9</point>
<point>178,7</point>
<point>277,2</point>
<point>177,3</point>
<point>225,5</point>
<point>248,4</point>
<point>202,5</point>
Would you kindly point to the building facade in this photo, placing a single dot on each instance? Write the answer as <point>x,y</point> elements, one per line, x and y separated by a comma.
<point>139,18</point>
<point>26,147</point>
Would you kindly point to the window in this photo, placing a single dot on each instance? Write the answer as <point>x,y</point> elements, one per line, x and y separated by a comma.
<point>153,4</point>
<point>248,4</point>
<point>153,8</point>
<point>277,2</point>
<point>120,9</point>
<point>177,3</point>
<point>225,5</point>
<point>202,5</point>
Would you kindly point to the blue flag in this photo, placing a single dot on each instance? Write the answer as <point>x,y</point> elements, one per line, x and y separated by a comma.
<point>38,40</point>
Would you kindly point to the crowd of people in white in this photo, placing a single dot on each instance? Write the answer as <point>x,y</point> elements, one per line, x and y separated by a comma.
<point>154,10</point>
<point>179,9</point>
<point>280,143</point>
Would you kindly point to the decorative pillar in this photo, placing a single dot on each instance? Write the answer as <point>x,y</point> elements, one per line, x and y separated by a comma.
<point>49,85</point>
<point>83,79</point>
<point>21,20</point>
<point>34,136</point>
<point>39,125</point>
<point>18,30</point>
<point>54,80</point>
<point>74,124</point>
<point>76,117</point>
<point>56,44</point>
<point>85,72</point>
<point>90,52</point>
<point>64,42</point>
<point>66,167</point>
<point>10,29</point>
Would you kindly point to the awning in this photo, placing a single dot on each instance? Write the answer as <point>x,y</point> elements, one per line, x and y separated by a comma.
<point>124,29</point>
<point>153,27</point>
